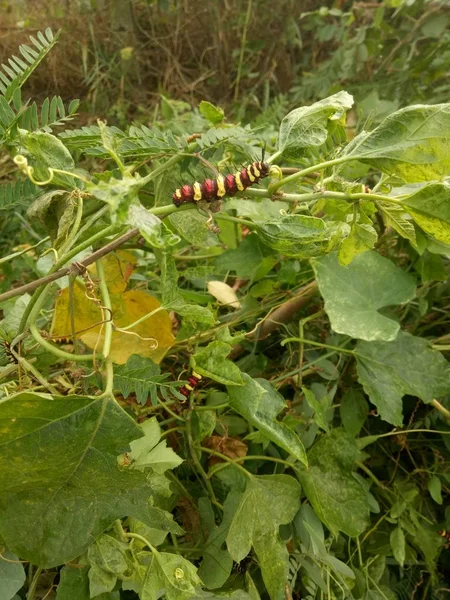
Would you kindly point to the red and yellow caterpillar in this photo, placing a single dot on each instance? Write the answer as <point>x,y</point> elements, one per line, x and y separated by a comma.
<point>228,185</point>
<point>193,380</point>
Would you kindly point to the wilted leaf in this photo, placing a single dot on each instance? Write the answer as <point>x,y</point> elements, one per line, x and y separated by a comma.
<point>259,403</point>
<point>55,211</point>
<point>223,293</point>
<point>353,294</point>
<point>309,125</point>
<point>408,365</point>
<point>151,338</point>
<point>336,496</point>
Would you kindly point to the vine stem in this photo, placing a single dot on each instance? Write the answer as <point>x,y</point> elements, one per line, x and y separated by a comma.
<point>32,590</point>
<point>319,345</point>
<point>235,461</point>
<point>444,412</point>
<point>141,538</point>
<point>295,176</point>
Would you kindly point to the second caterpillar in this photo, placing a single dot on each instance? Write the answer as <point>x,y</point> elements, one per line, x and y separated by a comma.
<point>228,185</point>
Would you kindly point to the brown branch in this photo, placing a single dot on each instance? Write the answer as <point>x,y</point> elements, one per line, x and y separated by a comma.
<point>75,268</point>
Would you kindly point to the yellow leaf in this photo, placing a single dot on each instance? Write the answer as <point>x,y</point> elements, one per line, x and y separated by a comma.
<point>152,338</point>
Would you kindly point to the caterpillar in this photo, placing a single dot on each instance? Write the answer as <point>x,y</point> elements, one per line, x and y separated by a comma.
<point>445,534</point>
<point>193,380</point>
<point>228,185</point>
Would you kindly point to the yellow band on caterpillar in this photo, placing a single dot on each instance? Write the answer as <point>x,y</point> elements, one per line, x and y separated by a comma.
<point>197,191</point>
<point>197,375</point>
<point>221,191</point>
<point>239,183</point>
<point>178,194</point>
<point>256,171</point>
<point>189,387</point>
<point>250,174</point>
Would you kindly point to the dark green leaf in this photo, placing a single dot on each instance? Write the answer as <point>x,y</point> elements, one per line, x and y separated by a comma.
<point>398,545</point>
<point>336,496</point>
<point>60,485</point>
<point>389,370</point>
<point>353,411</point>
<point>268,502</point>
<point>435,489</point>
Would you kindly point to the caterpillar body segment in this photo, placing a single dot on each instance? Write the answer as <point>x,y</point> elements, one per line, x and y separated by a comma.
<point>228,185</point>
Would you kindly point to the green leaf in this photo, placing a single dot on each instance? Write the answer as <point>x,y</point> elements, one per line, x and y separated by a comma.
<point>152,229</point>
<point>398,545</point>
<point>212,362</point>
<point>139,375</point>
<point>192,226</point>
<point>176,575</point>
<point>268,502</point>
<point>297,235</point>
<point>44,150</point>
<point>273,559</point>
<point>213,114</point>
<point>60,486</point>
<point>73,584</point>
<point>337,497</point>
<point>435,489</point>
<point>353,410</point>
<point>259,403</point>
<point>12,575</point>
<point>362,238</point>
<point>413,143</point>
<point>252,259</point>
<point>430,209</point>
<point>389,370</point>
<point>394,216</point>
<point>147,452</point>
<point>320,408</point>
<point>309,125</point>
<point>353,294</point>
<point>100,581</point>
<point>217,563</point>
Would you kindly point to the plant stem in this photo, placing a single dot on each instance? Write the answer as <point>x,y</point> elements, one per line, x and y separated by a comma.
<point>106,309</point>
<point>57,351</point>
<point>295,176</point>
<point>444,412</point>
<point>319,345</point>
<point>32,589</point>
<point>136,536</point>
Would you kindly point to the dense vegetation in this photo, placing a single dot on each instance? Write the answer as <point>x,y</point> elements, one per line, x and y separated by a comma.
<point>247,398</point>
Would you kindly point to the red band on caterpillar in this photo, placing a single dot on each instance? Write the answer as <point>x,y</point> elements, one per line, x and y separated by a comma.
<point>228,185</point>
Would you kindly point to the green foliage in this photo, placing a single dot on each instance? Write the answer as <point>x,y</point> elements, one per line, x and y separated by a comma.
<point>274,468</point>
